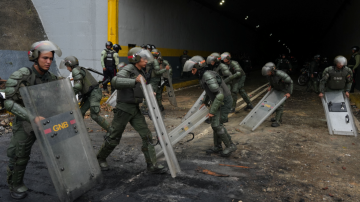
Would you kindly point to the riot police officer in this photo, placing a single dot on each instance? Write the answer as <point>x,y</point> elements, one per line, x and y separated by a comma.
<point>337,78</point>
<point>183,58</point>
<point>354,63</point>
<point>314,70</point>
<point>284,64</point>
<point>280,81</point>
<point>129,95</point>
<point>163,65</point>
<point>220,96</point>
<point>88,88</point>
<point>116,48</point>
<point>323,64</point>
<point>108,62</point>
<point>214,60</point>
<point>42,54</point>
<point>237,84</point>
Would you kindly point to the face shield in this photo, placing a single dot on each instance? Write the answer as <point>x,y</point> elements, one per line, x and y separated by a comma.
<point>267,68</point>
<point>188,66</point>
<point>209,59</point>
<point>146,55</point>
<point>225,55</point>
<point>62,65</point>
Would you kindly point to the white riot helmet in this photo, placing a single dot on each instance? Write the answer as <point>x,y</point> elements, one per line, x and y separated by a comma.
<point>267,68</point>
<point>340,59</point>
<point>197,62</point>
<point>213,57</point>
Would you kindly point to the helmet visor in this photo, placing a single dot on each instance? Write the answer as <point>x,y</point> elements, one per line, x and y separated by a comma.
<point>48,46</point>
<point>224,55</point>
<point>189,65</point>
<point>62,65</point>
<point>209,59</point>
<point>146,55</point>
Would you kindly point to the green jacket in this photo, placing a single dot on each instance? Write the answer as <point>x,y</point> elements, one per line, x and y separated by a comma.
<point>336,79</point>
<point>280,81</point>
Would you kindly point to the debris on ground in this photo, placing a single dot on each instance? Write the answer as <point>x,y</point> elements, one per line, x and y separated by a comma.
<point>233,166</point>
<point>209,172</point>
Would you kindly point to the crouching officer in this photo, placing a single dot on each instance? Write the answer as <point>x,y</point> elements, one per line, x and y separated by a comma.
<point>237,84</point>
<point>337,78</point>
<point>221,101</point>
<point>88,88</point>
<point>280,81</point>
<point>42,54</point>
<point>129,95</point>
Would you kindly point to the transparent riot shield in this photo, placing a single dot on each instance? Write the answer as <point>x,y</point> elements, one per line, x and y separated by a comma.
<point>161,132</point>
<point>169,88</point>
<point>195,107</point>
<point>62,137</point>
<point>267,105</point>
<point>185,128</point>
<point>338,113</point>
<point>112,99</point>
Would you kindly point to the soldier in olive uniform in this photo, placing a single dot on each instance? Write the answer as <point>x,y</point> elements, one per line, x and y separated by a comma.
<point>284,64</point>
<point>163,64</point>
<point>337,78</point>
<point>238,83</point>
<point>183,58</point>
<point>323,64</point>
<point>42,54</point>
<point>116,48</point>
<point>108,63</point>
<point>280,81</point>
<point>220,96</point>
<point>354,63</point>
<point>129,95</point>
<point>214,59</point>
<point>314,71</point>
<point>86,85</point>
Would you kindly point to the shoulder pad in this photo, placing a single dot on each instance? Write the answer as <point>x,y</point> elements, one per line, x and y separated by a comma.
<point>166,62</point>
<point>76,73</point>
<point>10,91</point>
<point>11,82</point>
<point>128,67</point>
<point>233,62</point>
<point>16,75</point>
<point>222,65</point>
<point>25,71</point>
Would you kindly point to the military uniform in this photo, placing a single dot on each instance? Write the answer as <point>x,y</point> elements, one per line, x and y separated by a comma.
<point>284,65</point>
<point>161,88</point>
<point>88,88</point>
<point>238,83</point>
<point>130,95</point>
<point>246,64</point>
<point>221,102</point>
<point>23,135</point>
<point>354,63</point>
<point>336,79</point>
<point>280,81</point>
<point>109,62</point>
<point>225,74</point>
<point>314,70</point>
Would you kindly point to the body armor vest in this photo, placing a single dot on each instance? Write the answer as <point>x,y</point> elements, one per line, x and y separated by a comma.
<point>222,86</point>
<point>109,59</point>
<point>276,81</point>
<point>89,82</point>
<point>352,60</point>
<point>337,78</point>
<point>132,95</point>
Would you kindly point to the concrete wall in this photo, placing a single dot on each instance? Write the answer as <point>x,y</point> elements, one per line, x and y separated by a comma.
<point>79,28</point>
<point>344,34</point>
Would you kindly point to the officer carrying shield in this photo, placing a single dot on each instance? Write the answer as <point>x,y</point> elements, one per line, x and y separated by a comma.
<point>42,54</point>
<point>237,84</point>
<point>108,62</point>
<point>129,95</point>
<point>280,81</point>
<point>220,96</point>
<point>337,78</point>
<point>88,88</point>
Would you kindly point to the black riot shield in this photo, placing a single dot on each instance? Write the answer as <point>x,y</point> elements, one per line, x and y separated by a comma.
<point>63,138</point>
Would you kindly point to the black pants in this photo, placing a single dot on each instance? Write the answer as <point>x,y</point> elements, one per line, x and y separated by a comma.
<point>109,73</point>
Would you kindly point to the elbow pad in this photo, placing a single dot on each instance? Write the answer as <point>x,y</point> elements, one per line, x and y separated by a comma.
<point>17,109</point>
<point>120,83</point>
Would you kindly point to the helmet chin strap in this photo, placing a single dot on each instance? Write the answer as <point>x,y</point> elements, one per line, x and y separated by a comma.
<point>41,69</point>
